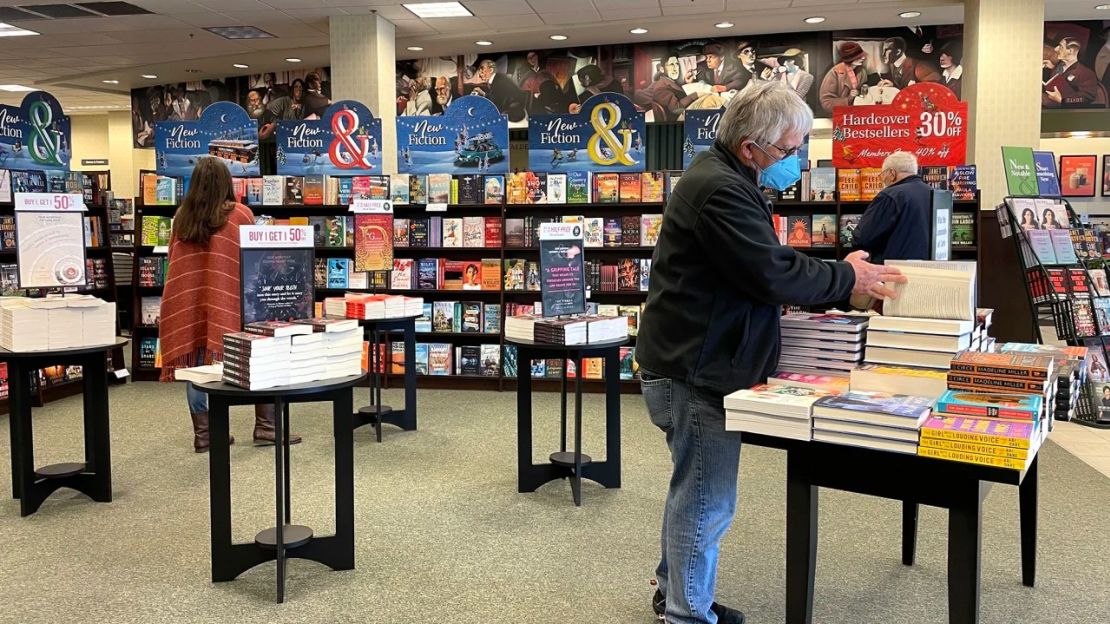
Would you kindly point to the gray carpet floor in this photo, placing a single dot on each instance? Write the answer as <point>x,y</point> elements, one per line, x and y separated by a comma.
<point>442,535</point>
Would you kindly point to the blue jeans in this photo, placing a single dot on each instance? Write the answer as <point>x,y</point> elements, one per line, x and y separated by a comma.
<point>198,401</point>
<point>701,499</point>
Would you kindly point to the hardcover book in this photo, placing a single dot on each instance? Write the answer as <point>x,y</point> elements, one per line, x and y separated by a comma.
<point>848,226</point>
<point>439,188</point>
<point>491,318</point>
<point>427,274</point>
<point>848,184</point>
<point>254,192</point>
<point>473,232</point>
<point>399,185</point>
<point>650,224</point>
<point>556,188</point>
<point>335,231</point>
<point>440,358</point>
<point>294,190</point>
<point>470,189</point>
<point>401,232</point>
<point>962,182</point>
<point>401,277</point>
<point>871,182</point>
<point>494,192</point>
<point>313,189</point>
<point>338,272</point>
<point>607,188</point>
<point>963,229</point>
<point>936,177</point>
<point>514,232</point>
<point>630,187</point>
<point>613,232</point>
<point>991,404</point>
<point>798,231</point>
<point>452,233</point>
<point>379,187</point>
<point>418,189</point>
<point>491,228</point>
<point>630,230</point>
<point>593,231</point>
<point>651,186</point>
<point>578,187</point>
<point>1002,433</point>
<point>824,230</point>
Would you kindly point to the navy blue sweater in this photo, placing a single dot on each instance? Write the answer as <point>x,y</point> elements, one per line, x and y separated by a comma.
<point>896,224</point>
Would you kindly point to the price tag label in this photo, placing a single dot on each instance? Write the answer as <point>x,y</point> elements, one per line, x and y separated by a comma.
<point>50,202</point>
<point>275,236</point>
<point>372,206</point>
<point>436,207</point>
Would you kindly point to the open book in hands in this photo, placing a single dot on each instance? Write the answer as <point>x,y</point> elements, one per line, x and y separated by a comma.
<point>935,290</point>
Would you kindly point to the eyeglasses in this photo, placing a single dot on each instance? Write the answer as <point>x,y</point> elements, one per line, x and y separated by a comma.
<point>786,152</point>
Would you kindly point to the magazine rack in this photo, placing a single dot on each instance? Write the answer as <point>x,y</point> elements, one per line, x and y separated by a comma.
<point>1063,293</point>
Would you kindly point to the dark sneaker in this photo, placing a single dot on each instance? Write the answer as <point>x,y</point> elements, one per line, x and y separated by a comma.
<point>725,615</point>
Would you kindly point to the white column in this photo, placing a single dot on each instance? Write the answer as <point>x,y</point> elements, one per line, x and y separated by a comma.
<point>363,68</point>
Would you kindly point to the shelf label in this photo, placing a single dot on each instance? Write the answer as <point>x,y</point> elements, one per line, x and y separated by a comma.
<point>50,202</point>
<point>436,207</point>
<point>372,206</point>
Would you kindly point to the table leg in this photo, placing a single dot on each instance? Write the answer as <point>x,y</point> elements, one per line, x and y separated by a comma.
<point>563,409</point>
<point>523,420</point>
<point>410,374</point>
<point>279,481</point>
<point>19,411</point>
<point>801,539</point>
<point>98,457</point>
<point>909,531</point>
<point>965,521</point>
<point>613,419</point>
<point>219,480</point>
<point>1027,495</point>
<point>576,479</point>
<point>342,405</point>
<point>288,479</point>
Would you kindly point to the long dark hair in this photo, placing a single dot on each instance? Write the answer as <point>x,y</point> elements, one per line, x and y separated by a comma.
<point>208,203</point>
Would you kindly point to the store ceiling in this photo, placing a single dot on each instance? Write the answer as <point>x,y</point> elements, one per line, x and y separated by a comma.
<point>74,55</point>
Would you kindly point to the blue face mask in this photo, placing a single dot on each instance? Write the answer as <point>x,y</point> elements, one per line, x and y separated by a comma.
<point>782,174</point>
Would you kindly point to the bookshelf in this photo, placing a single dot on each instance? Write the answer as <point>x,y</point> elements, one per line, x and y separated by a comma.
<point>529,252</point>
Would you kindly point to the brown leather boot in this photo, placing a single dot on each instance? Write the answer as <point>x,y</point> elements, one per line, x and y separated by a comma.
<point>264,433</point>
<point>200,433</point>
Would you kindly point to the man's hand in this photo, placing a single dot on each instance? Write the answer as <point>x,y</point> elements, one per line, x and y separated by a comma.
<point>1055,95</point>
<point>871,279</point>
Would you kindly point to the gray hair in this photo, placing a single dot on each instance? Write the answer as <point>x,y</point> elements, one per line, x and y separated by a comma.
<point>764,112</point>
<point>901,162</point>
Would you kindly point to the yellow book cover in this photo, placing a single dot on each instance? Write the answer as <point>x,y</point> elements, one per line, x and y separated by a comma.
<point>975,438</point>
<point>870,183</point>
<point>848,184</point>
<point>298,220</point>
<point>651,187</point>
<point>150,189</point>
<point>972,458</point>
<point>594,368</point>
<point>518,188</point>
<point>979,449</point>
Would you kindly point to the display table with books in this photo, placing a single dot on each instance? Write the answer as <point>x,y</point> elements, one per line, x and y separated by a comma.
<point>573,465</point>
<point>285,540</point>
<point>93,476</point>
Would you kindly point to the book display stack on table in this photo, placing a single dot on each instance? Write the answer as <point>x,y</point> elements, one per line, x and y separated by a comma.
<point>996,412</point>
<point>822,344</point>
<point>278,353</point>
<point>1071,372</point>
<point>578,330</point>
<point>48,323</point>
<point>782,411</point>
<point>255,361</point>
<point>877,420</point>
<point>370,307</point>
<point>340,345</point>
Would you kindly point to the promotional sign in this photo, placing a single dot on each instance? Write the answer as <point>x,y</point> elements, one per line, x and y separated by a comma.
<point>699,130</point>
<point>925,119</point>
<point>562,269</point>
<point>345,141</point>
<point>1021,178</point>
<point>50,240</point>
<point>942,225</point>
<point>606,134</point>
<point>1048,181</point>
<point>224,131</point>
<point>35,135</point>
<point>1078,175</point>
<point>470,137</point>
<point>276,272</point>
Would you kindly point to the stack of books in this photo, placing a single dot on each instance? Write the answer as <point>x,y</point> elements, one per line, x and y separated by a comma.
<point>919,342</point>
<point>371,307</point>
<point>829,383</point>
<point>877,420</point>
<point>340,344</point>
<point>577,330</point>
<point>774,410</point>
<point>1071,372</point>
<point>256,361</point>
<point>822,344</point>
<point>918,381</point>
<point>68,322</point>
<point>998,430</point>
<point>306,350</point>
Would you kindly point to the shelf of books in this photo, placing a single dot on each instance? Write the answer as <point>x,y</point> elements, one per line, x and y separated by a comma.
<point>95,186</point>
<point>468,245</point>
<point>1066,285</point>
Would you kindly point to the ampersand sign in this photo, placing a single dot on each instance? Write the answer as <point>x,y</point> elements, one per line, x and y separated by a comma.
<point>45,144</point>
<point>353,156</point>
<point>603,125</point>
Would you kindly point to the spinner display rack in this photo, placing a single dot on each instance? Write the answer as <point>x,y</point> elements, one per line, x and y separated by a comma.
<point>1055,302</point>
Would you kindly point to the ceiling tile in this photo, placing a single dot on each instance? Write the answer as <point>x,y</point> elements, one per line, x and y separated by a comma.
<point>233,5</point>
<point>497,8</point>
<point>167,7</point>
<point>576,17</point>
<point>691,7</point>
<point>619,13</point>
<point>809,3</point>
<point>512,22</point>
<point>455,25</point>
<point>755,5</point>
<point>391,13</point>
<point>562,6</point>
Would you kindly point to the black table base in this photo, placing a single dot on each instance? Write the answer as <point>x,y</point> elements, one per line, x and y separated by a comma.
<point>285,540</point>
<point>375,413</point>
<point>92,477</point>
<point>572,465</point>
<point>958,487</point>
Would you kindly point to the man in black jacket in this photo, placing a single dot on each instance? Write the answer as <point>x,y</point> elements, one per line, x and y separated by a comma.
<point>896,224</point>
<point>711,326</point>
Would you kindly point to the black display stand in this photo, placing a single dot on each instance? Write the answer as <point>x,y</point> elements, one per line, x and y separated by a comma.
<point>93,477</point>
<point>377,414</point>
<point>1047,303</point>
<point>571,465</point>
<point>284,540</point>
<point>915,480</point>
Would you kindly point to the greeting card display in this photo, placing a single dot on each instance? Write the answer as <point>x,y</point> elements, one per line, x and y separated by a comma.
<point>276,272</point>
<point>470,137</point>
<point>1078,175</point>
<point>224,131</point>
<point>606,134</point>
<point>35,135</point>
<point>562,269</point>
<point>345,141</point>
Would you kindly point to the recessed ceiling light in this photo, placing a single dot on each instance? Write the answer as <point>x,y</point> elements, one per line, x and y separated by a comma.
<point>150,76</point>
<point>910,14</point>
<point>15,87</point>
<point>415,49</point>
<point>240,65</point>
<point>438,9</point>
<point>293,60</point>
<point>483,42</point>
<point>110,81</point>
<point>7,30</point>
<point>816,19</point>
<point>239,32</point>
<point>638,31</point>
<point>1102,7</point>
<point>724,24</point>
<point>558,37</point>
<point>192,71</point>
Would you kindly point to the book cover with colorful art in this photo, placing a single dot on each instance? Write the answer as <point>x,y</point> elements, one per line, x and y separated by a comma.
<point>373,242</point>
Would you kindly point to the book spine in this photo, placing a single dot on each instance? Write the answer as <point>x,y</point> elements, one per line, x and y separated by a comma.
<point>983,411</point>
<point>976,387</point>
<point>974,438</point>
<point>971,458</point>
<point>995,383</point>
<point>262,331</point>
<point>978,449</point>
<point>999,371</point>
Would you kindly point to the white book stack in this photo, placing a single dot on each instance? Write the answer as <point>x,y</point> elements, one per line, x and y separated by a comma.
<point>307,358</point>
<point>522,327</point>
<point>340,346</point>
<point>606,328</point>
<point>22,328</point>
<point>822,344</point>
<point>335,307</point>
<point>773,410</point>
<point>255,361</point>
<point>52,323</point>
<point>888,422</point>
<point>414,306</point>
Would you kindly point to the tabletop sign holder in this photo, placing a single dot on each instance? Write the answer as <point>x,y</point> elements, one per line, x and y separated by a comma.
<point>562,269</point>
<point>373,238</point>
<point>942,225</point>
<point>50,240</point>
<point>276,279</point>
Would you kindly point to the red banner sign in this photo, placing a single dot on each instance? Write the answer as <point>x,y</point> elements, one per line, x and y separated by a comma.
<point>925,118</point>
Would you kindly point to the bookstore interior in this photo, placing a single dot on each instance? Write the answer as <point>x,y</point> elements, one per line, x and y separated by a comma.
<point>206,206</point>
